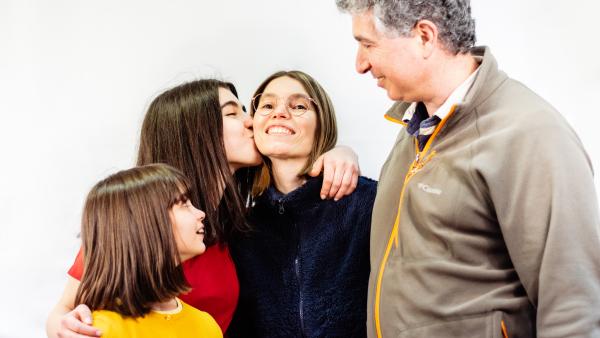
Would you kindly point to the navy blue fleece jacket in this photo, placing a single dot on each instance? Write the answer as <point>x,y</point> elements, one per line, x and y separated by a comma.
<point>304,270</point>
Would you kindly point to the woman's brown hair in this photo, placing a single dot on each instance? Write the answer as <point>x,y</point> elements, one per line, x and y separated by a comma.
<point>183,127</point>
<point>130,255</point>
<point>325,133</point>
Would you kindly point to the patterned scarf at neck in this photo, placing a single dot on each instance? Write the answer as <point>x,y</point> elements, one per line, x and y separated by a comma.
<point>419,124</point>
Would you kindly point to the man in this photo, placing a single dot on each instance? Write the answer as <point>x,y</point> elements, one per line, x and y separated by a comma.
<point>486,220</point>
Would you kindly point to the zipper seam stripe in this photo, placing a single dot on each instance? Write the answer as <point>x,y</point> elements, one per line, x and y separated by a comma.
<point>394,233</point>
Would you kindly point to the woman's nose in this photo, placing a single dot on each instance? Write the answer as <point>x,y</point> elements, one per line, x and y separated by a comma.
<point>248,122</point>
<point>280,111</point>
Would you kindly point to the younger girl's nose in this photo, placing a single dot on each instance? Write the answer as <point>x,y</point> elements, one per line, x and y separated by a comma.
<point>200,214</point>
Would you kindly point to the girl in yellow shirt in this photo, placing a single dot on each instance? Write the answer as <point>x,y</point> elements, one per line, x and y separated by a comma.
<point>138,226</point>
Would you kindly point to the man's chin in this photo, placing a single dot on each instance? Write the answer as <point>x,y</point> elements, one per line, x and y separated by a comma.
<point>394,96</point>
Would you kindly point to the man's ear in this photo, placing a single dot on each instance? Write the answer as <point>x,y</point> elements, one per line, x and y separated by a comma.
<point>427,33</point>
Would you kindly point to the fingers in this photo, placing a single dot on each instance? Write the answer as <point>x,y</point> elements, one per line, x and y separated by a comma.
<point>348,184</point>
<point>328,176</point>
<point>77,323</point>
<point>83,313</point>
<point>355,180</point>
<point>340,172</point>
<point>317,167</point>
<point>336,184</point>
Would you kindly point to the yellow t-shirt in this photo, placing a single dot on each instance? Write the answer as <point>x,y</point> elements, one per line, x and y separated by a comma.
<point>183,322</point>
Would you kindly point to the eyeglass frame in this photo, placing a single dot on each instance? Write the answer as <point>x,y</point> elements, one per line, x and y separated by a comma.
<point>255,110</point>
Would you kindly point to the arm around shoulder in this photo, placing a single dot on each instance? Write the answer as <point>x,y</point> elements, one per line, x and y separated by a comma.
<point>65,320</point>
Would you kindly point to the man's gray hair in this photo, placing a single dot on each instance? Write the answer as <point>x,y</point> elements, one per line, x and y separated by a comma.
<point>456,27</point>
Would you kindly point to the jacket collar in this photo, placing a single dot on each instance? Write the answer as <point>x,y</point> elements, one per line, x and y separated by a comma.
<point>306,194</point>
<point>486,81</point>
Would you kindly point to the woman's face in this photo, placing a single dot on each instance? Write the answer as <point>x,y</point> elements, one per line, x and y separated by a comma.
<point>237,133</point>
<point>282,134</point>
<point>188,229</point>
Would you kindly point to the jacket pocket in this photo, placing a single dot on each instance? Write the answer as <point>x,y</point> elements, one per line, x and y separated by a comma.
<point>496,324</point>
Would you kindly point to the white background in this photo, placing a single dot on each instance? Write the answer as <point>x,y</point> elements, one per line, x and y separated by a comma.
<point>77,76</point>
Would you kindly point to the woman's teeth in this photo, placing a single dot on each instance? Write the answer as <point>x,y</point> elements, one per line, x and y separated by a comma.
<point>279,130</point>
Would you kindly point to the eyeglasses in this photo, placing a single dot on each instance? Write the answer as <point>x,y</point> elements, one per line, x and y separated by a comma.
<point>297,105</point>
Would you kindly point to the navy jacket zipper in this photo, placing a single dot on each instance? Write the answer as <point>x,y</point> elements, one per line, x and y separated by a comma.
<point>297,271</point>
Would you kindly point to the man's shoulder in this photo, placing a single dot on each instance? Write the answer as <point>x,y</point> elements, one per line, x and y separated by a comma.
<point>515,97</point>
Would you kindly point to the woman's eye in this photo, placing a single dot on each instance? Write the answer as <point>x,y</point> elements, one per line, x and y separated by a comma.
<point>229,112</point>
<point>266,106</point>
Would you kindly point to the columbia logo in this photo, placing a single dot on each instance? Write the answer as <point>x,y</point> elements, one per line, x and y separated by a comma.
<point>430,190</point>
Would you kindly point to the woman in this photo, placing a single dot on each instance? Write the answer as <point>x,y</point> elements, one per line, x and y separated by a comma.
<point>138,225</point>
<point>304,268</point>
<point>202,129</point>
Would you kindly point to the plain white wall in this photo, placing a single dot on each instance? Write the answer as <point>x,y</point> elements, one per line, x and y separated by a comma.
<point>76,77</point>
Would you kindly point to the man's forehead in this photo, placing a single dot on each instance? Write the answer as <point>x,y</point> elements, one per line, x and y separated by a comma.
<point>363,26</point>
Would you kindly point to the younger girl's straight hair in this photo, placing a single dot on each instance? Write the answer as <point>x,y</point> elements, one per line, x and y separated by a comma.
<point>131,259</point>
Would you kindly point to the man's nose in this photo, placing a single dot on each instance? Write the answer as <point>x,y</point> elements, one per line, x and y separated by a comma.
<point>362,63</point>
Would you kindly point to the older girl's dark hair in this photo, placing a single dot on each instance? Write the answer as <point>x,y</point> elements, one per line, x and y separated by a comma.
<point>183,127</point>
<point>130,255</point>
<point>325,133</point>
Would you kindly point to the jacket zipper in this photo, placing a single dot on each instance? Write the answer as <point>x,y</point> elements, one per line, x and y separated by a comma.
<point>281,211</point>
<point>301,301</point>
<point>418,163</point>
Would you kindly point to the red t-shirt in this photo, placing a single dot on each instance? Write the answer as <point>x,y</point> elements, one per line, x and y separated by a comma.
<point>212,276</point>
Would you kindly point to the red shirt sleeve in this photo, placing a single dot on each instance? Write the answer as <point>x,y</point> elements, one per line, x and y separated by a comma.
<point>214,282</point>
<point>76,270</point>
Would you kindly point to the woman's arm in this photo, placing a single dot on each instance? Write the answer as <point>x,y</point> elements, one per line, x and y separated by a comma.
<point>340,172</point>
<point>65,321</point>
